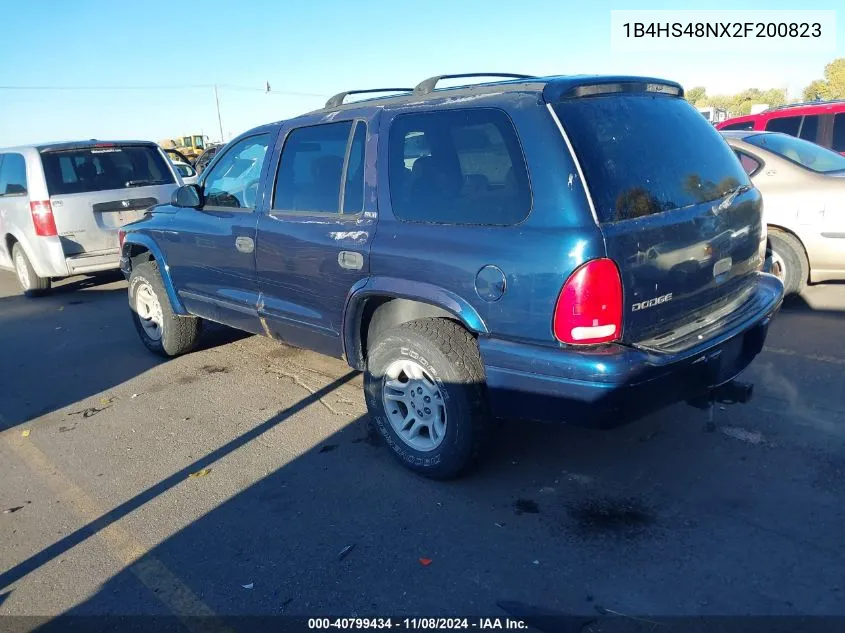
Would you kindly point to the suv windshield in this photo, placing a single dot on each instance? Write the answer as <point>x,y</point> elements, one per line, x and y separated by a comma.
<point>103,168</point>
<point>644,154</point>
<point>807,154</point>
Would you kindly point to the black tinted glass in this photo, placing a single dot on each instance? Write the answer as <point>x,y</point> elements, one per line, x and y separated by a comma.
<point>311,168</point>
<point>747,125</point>
<point>12,175</point>
<point>647,154</point>
<point>787,125</point>
<point>458,167</point>
<point>838,144</point>
<point>810,127</point>
<point>103,168</point>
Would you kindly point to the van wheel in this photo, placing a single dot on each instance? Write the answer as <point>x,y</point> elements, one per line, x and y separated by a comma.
<point>163,332</point>
<point>789,262</point>
<point>426,396</point>
<point>31,284</point>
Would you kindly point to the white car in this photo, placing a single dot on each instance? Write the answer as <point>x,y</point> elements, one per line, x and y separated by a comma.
<point>803,187</point>
<point>186,172</point>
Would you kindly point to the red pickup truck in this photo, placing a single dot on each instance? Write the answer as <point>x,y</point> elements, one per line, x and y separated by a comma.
<point>822,122</point>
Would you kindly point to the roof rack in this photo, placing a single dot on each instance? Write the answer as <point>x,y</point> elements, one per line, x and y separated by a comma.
<point>427,85</point>
<point>804,103</point>
<point>337,99</point>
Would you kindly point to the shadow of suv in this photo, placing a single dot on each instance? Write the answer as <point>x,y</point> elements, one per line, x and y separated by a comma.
<point>480,251</point>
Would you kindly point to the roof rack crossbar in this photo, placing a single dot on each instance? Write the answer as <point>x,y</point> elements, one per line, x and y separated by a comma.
<point>427,85</point>
<point>337,99</point>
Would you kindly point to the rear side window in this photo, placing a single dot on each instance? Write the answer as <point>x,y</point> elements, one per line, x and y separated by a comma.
<point>809,128</point>
<point>104,168</point>
<point>786,124</point>
<point>749,165</point>
<point>838,144</point>
<point>353,188</point>
<point>12,175</point>
<point>457,167</point>
<point>311,169</point>
<point>644,154</point>
<point>746,125</point>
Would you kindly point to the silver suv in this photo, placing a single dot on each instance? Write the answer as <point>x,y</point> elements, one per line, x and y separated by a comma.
<point>61,205</point>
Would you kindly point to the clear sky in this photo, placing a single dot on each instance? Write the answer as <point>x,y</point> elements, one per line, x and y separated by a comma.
<point>318,48</point>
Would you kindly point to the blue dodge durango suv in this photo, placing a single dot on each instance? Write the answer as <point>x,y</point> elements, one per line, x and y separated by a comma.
<point>581,249</point>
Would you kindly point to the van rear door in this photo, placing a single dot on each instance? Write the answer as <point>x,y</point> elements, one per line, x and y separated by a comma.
<point>679,215</point>
<point>96,189</point>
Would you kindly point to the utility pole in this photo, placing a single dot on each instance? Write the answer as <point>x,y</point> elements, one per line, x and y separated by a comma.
<point>219,120</point>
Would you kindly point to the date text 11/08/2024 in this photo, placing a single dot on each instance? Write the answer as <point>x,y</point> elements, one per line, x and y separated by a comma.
<point>416,623</point>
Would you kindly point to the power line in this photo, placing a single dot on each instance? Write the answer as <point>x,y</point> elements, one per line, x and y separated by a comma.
<point>288,93</point>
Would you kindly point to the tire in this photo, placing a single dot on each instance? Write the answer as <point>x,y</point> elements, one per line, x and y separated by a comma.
<point>449,376</point>
<point>31,284</point>
<point>163,332</point>
<point>790,263</point>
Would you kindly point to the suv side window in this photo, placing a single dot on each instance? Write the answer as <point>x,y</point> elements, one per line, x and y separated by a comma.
<point>12,175</point>
<point>457,167</point>
<point>311,169</point>
<point>233,182</point>
<point>810,128</point>
<point>786,124</point>
<point>838,144</point>
<point>745,125</point>
<point>353,189</point>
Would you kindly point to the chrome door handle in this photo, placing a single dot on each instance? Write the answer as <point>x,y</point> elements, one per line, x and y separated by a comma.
<point>245,244</point>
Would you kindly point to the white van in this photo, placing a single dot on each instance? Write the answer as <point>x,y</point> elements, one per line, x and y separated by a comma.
<point>61,205</point>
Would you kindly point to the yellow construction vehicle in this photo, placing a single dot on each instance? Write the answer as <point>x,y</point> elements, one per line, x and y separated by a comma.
<point>191,146</point>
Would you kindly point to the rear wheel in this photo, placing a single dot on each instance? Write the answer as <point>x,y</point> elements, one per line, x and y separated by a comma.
<point>31,284</point>
<point>789,262</point>
<point>425,392</point>
<point>161,330</point>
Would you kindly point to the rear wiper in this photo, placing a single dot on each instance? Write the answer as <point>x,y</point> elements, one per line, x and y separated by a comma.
<point>730,196</point>
<point>135,183</point>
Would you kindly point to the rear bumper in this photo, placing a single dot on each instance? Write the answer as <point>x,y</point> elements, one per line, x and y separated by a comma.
<point>613,384</point>
<point>93,262</point>
<point>48,258</point>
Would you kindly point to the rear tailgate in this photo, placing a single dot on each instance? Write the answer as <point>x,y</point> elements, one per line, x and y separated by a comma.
<point>97,189</point>
<point>679,216</point>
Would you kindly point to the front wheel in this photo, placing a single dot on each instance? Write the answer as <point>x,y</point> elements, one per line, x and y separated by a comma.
<point>31,284</point>
<point>161,330</point>
<point>426,395</point>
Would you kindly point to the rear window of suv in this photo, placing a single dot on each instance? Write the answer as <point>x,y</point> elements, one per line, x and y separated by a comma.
<point>457,167</point>
<point>644,154</point>
<point>104,168</point>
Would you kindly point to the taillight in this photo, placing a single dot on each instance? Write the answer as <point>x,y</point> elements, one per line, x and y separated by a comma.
<point>121,235</point>
<point>42,218</point>
<point>589,308</point>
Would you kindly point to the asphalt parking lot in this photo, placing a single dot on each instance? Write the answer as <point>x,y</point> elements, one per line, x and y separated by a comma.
<point>230,480</point>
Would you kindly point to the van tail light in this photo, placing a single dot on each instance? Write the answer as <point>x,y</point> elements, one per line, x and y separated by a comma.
<point>42,218</point>
<point>121,236</point>
<point>589,308</point>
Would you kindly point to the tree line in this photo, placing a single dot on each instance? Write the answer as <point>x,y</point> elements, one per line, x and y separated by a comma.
<point>831,86</point>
